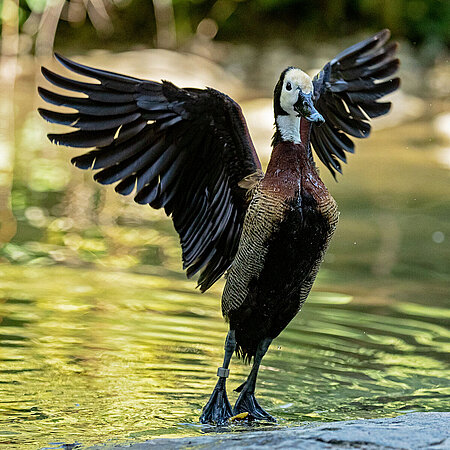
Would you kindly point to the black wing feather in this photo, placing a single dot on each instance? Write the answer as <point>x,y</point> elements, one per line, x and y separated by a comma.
<point>184,150</point>
<point>346,93</point>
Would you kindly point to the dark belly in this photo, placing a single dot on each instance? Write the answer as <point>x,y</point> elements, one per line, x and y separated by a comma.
<point>294,253</point>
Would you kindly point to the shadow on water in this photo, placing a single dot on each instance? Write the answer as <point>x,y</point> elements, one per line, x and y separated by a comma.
<point>104,340</point>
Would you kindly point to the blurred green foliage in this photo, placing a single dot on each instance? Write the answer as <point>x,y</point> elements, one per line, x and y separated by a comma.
<point>415,20</point>
<point>422,22</point>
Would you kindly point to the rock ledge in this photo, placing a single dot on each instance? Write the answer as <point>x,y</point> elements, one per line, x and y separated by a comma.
<point>410,431</point>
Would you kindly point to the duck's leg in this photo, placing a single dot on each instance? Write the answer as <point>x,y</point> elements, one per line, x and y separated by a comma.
<point>218,409</point>
<point>247,401</point>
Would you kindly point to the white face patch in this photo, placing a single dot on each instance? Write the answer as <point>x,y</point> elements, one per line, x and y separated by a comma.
<point>295,80</point>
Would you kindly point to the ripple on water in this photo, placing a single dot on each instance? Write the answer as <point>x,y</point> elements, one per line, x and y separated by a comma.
<point>138,359</point>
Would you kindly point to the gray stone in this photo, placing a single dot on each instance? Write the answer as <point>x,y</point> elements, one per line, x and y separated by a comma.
<point>410,431</point>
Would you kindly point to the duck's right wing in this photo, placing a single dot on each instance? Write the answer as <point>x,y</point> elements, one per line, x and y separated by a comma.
<point>184,150</point>
<point>346,93</point>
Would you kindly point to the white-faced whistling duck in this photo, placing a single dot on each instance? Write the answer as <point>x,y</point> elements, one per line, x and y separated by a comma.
<point>189,151</point>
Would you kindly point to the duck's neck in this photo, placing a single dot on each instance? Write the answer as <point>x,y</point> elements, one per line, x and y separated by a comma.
<point>296,130</point>
<point>288,128</point>
<point>290,168</point>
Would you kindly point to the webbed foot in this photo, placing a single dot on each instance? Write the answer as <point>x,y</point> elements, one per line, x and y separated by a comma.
<point>247,403</point>
<point>218,409</point>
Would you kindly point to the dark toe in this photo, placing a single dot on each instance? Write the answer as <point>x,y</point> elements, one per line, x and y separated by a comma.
<point>248,403</point>
<point>218,409</point>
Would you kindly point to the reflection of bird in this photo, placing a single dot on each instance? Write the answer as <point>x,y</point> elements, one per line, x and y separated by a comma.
<point>189,151</point>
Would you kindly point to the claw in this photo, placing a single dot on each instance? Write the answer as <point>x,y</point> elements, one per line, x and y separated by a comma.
<point>238,417</point>
<point>218,409</point>
<point>247,403</point>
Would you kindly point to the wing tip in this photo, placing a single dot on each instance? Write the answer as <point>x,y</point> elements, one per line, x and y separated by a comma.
<point>83,162</point>
<point>385,33</point>
<point>49,75</point>
<point>61,59</point>
<point>74,66</point>
<point>394,46</point>
<point>54,138</point>
<point>45,71</point>
<point>43,113</point>
<point>50,97</point>
<point>104,181</point>
<point>394,84</point>
<point>42,92</point>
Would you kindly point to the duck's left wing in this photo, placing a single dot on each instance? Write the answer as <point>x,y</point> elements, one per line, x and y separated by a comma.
<point>184,150</point>
<point>346,92</point>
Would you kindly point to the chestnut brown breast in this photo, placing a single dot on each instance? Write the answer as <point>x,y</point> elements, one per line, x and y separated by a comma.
<point>290,179</point>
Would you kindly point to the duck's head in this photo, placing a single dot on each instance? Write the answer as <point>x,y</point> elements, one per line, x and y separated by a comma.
<point>293,96</point>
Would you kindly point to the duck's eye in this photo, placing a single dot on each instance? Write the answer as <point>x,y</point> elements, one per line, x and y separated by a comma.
<point>288,86</point>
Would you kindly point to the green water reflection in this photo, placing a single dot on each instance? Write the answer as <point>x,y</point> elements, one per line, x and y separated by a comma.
<point>103,338</point>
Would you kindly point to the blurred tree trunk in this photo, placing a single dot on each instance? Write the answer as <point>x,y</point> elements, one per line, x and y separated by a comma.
<point>8,68</point>
<point>47,28</point>
<point>166,36</point>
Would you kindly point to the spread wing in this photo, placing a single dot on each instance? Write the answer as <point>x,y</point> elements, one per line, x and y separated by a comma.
<point>346,93</point>
<point>184,150</point>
